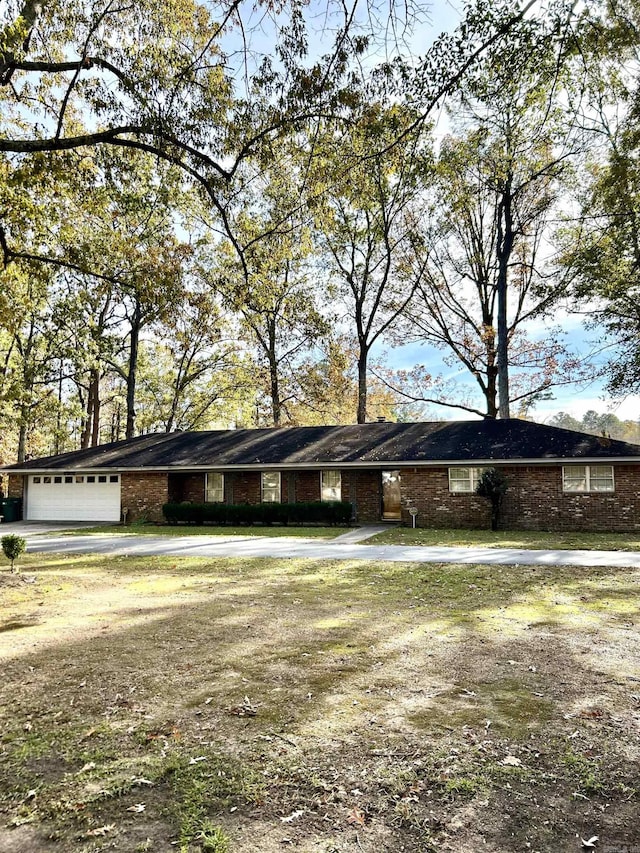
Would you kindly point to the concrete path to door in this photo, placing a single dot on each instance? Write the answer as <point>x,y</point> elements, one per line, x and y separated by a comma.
<point>248,547</point>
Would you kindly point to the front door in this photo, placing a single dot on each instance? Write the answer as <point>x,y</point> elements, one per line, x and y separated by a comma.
<point>391,506</point>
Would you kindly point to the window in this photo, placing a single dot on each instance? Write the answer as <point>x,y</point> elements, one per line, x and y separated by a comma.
<point>91,478</point>
<point>330,486</point>
<point>464,479</point>
<point>270,487</point>
<point>57,479</point>
<point>113,478</point>
<point>102,478</point>
<point>587,478</point>
<point>36,479</point>
<point>214,487</point>
<point>79,478</point>
<point>68,479</point>
<point>46,479</point>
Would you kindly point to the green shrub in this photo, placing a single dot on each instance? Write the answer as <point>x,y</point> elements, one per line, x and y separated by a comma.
<point>13,546</point>
<point>312,512</point>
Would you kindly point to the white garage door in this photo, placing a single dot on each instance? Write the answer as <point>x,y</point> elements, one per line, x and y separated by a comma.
<point>73,497</point>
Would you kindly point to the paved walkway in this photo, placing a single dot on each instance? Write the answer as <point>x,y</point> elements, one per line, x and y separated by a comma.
<point>49,541</point>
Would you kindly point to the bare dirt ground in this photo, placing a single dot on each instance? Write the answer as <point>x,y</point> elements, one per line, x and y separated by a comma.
<point>261,705</point>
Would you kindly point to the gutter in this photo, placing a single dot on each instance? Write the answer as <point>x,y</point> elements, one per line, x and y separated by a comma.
<point>328,466</point>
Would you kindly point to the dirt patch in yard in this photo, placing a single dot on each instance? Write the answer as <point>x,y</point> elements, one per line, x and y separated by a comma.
<point>196,705</point>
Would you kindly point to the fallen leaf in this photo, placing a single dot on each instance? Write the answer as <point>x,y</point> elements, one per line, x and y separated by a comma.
<point>245,709</point>
<point>591,843</point>
<point>356,816</point>
<point>511,761</point>
<point>293,816</point>
<point>90,765</point>
<point>100,830</point>
<point>138,807</point>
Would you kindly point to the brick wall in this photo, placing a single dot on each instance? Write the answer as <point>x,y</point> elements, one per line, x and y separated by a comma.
<point>364,490</point>
<point>534,501</point>
<point>15,488</point>
<point>186,487</point>
<point>307,486</point>
<point>143,495</point>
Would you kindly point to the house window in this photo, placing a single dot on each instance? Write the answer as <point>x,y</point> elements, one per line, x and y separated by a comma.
<point>68,479</point>
<point>113,478</point>
<point>330,486</point>
<point>36,479</point>
<point>214,487</point>
<point>46,479</point>
<point>57,479</point>
<point>91,478</point>
<point>270,487</point>
<point>587,478</point>
<point>464,479</point>
<point>79,478</point>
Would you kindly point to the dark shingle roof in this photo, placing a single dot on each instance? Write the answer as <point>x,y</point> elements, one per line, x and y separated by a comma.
<point>376,444</point>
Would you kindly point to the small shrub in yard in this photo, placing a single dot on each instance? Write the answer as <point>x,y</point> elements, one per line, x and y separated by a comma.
<point>493,486</point>
<point>13,546</point>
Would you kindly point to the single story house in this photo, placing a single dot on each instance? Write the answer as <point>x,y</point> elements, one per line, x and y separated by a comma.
<point>557,479</point>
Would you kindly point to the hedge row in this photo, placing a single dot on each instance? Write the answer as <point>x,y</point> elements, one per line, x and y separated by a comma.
<point>315,512</point>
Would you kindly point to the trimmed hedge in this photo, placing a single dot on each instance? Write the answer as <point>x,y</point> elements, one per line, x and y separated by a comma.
<point>313,512</point>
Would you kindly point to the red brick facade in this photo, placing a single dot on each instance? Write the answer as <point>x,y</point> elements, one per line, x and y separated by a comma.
<point>143,495</point>
<point>534,501</point>
<point>15,488</point>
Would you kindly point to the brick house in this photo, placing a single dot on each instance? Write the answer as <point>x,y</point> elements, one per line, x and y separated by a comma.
<point>557,479</point>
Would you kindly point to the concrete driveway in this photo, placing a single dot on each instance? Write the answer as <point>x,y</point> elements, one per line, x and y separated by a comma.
<point>46,539</point>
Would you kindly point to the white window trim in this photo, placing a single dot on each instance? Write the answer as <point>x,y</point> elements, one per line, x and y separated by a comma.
<point>474,475</point>
<point>279,486</point>
<point>566,469</point>
<point>339,486</point>
<point>209,489</point>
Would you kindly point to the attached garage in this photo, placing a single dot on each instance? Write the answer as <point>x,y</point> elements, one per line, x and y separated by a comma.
<point>72,497</point>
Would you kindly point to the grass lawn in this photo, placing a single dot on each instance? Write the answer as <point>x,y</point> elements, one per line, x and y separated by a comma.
<point>254,706</point>
<point>205,530</point>
<point>508,539</point>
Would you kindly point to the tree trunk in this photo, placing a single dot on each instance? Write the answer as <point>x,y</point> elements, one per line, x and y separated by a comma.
<point>136,324</point>
<point>362,385</point>
<point>22,438</point>
<point>94,393</point>
<point>274,379</point>
<point>504,247</point>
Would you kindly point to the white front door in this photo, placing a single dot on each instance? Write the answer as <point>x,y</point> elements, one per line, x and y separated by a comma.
<point>73,497</point>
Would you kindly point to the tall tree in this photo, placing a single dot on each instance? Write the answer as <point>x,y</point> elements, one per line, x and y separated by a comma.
<point>275,294</point>
<point>603,247</point>
<point>366,228</point>
<point>485,247</point>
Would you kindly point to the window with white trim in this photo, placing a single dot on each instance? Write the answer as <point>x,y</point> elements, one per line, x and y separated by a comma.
<point>587,478</point>
<point>214,487</point>
<point>270,487</point>
<point>464,479</point>
<point>330,486</point>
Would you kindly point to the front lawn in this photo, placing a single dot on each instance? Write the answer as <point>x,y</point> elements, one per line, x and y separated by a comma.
<point>508,539</point>
<point>237,706</point>
<point>207,530</point>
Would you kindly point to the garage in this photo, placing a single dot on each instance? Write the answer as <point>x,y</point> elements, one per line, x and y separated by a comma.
<point>73,497</point>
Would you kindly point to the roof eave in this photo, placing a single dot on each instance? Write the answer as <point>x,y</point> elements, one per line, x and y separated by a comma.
<point>383,464</point>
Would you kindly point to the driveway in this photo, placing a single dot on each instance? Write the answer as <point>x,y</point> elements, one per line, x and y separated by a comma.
<point>47,540</point>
